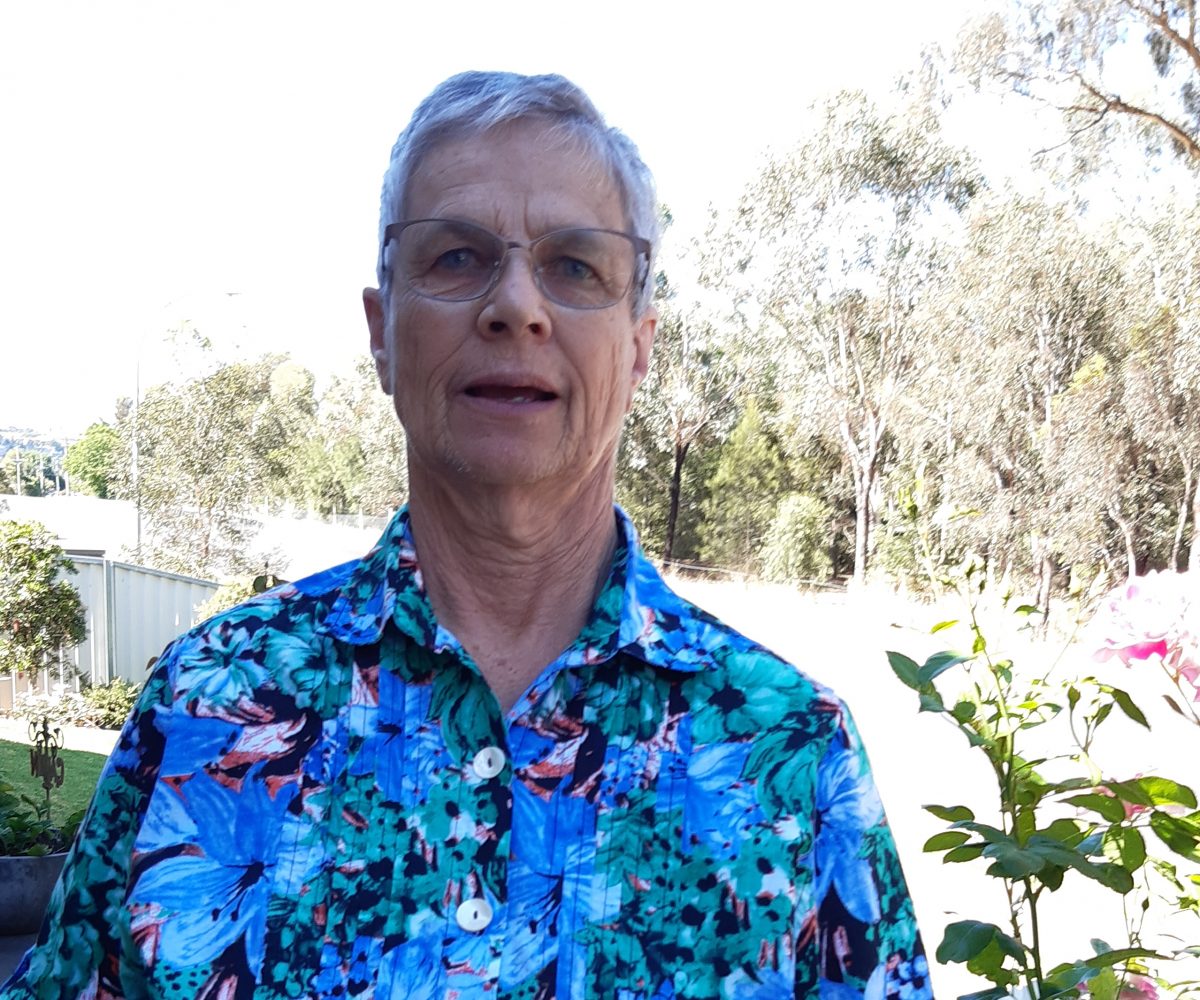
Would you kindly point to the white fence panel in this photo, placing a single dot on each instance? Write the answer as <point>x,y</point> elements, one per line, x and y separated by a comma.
<point>149,609</point>
<point>132,613</point>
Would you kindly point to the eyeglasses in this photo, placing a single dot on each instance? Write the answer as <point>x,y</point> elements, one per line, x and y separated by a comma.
<point>458,261</point>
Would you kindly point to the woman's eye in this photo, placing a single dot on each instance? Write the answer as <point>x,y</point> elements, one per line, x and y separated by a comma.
<point>573,269</point>
<point>458,259</point>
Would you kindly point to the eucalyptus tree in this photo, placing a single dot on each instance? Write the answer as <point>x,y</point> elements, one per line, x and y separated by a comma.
<point>687,398</point>
<point>1101,62</point>
<point>1162,371</point>
<point>1031,300</point>
<point>840,239</point>
<point>199,471</point>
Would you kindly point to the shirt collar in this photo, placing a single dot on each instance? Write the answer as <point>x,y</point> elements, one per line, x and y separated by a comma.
<point>635,611</point>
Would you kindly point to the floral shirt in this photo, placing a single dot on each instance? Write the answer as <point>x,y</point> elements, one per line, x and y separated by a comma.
<point>317,795</point>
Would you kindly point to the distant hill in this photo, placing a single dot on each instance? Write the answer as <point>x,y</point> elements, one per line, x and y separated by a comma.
<point>29,440</point>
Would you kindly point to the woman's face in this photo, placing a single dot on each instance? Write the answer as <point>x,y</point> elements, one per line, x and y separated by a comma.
<point>510,389</point>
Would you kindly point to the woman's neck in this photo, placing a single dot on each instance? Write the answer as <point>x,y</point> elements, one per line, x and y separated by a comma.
<point>513,574</point>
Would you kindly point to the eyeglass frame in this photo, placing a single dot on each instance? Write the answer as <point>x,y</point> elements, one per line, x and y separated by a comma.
<point>641,252</point>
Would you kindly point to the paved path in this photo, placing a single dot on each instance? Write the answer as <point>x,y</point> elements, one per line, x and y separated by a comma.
<point>87,738</point>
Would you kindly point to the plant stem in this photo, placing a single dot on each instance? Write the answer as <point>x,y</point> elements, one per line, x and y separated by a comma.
<point>1032,898</point>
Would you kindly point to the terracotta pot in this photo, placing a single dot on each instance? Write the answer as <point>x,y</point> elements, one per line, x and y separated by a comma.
<point>25,887</point>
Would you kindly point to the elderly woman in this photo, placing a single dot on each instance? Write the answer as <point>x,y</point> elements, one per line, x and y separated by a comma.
<point>496,757</point>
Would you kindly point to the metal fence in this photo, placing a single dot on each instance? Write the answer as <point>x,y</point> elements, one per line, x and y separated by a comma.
<point>132,613</point>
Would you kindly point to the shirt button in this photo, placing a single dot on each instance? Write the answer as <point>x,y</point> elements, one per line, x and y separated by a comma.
<point>474,915</point>
<point>488,762</point>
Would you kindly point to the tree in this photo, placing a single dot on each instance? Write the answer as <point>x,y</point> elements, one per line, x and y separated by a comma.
<point>1024,324</point>
<point>1162,369</point>
<point>365,455</point>
<point>744,492</point>
<point>839,248</point>
<point>28,473</point>
<point>686,399</point>
<point>1076,55</point>
<point>199,470</point>
<point>796,546</point>
<point>41,614</point>
<point>92,461</point>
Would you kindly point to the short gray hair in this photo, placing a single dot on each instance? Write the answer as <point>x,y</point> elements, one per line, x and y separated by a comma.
<point>473,103</point>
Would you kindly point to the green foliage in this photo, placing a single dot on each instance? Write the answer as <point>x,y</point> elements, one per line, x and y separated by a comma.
<point>81,771</point>
<point>94,460</point>
<point>41,615</point>
<point>228,595</point>
<point>28,473</point>
<point>1048,832</point>
<point>24,829</point>
<point>743,493</point>
<point>796,547</point>
<point>61,707</point>
<point>111,703</point>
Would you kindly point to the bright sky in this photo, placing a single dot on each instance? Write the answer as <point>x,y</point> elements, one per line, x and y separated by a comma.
<point>160,155</point>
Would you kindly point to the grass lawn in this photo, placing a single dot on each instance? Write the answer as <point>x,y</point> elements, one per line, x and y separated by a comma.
<point>81,771</point>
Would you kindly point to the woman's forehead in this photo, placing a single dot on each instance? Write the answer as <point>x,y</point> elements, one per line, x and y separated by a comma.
<point>527,175</point>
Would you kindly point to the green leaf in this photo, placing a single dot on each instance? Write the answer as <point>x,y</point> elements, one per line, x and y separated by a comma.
<point>931,701</point>
<point>904,668</point>
<point>963,711</point>
<point>945,840</point>
<point>957,855</point>
<point>1104,985</point>
<point>1027,610</point>
<point>943,625</point>
<point>1180,835</point>
<point>1164,791</point>
<point>979,645</point>
<point>1125,844</point>
<point>1109,875</point>
<point>951,814</point>
<point>938,664</point>
<point>1112,809</point>
<point>1127,705</point>
<point>1065,831</point>
<point>1011,861</point>
<point>965,939</point>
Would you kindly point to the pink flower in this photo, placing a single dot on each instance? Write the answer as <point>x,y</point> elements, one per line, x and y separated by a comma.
<point>1139,988</point>
<point>1156,616</point>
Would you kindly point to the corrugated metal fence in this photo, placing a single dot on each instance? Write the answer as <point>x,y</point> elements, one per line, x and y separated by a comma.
<point>132,613</point>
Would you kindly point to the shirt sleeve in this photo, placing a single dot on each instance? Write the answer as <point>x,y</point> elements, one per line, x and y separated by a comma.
<point>866,925</point>
<point>86,947</point>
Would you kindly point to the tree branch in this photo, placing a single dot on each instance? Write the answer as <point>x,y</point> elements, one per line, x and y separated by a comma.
<point>1113,103</point>
<point>1159,20</point>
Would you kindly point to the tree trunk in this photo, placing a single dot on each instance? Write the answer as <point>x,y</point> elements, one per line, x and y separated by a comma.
<point>1194,551</point>
<point>1126,528</point>
<point>862,524</point>
<point>681,451</point>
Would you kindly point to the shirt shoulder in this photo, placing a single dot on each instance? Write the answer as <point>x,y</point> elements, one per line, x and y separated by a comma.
<point>237,663</point>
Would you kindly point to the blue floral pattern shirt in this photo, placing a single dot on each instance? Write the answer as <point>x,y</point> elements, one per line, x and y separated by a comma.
<point>317,795</point>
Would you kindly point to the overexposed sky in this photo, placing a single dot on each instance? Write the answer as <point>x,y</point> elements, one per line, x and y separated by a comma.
<point>157,156</point>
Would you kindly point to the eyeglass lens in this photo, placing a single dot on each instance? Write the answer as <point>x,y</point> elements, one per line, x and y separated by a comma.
<point>457,261</point>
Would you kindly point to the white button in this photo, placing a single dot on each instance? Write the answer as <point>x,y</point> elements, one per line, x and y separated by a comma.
<point>488,762</point>
<point>474,915</point>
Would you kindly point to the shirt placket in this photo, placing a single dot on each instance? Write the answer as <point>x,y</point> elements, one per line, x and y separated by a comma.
<point>476,913</point>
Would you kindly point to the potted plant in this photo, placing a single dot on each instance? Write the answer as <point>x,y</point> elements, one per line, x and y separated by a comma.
<point>32,851</point>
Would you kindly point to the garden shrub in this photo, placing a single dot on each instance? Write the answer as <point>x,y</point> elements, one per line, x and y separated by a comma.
<point>796,547</point>
<point>61,707</point>
<point>111,703</point>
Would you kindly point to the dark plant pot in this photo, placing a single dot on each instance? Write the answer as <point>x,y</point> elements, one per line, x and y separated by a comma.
<point>25,887</point>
